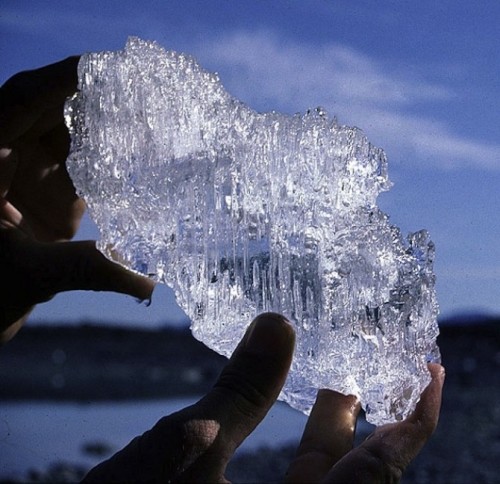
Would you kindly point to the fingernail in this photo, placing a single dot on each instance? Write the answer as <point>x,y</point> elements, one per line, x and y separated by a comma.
<point>333,399</point>
<point>269,332</point>
<point>5,153</point>
<point>146,302</point>
<point>437,372</point>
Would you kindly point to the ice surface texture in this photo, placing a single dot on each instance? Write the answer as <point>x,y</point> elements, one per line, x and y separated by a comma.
<point>241,212</point>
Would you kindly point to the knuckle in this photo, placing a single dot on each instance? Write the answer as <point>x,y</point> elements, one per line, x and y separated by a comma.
<point>191,439</point>
<point>379,467</point>
<point>244,391</point>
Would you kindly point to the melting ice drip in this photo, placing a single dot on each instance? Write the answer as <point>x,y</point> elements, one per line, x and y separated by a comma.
<point>241,212</point>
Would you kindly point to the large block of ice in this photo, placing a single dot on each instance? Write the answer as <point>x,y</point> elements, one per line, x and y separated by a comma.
<point>241,212</point>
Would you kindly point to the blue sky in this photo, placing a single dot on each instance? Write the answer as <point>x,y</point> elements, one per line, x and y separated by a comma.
<point>420,78</point>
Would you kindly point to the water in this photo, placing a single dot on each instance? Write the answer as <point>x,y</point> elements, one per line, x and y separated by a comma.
<point>33,435</point>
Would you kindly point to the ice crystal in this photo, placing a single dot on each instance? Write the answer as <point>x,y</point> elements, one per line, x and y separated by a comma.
<point>241,212</point>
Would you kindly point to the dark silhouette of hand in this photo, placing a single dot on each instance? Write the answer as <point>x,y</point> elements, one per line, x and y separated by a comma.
<point>39,209</point>
<point>196,444</point>
<point>326,451</point>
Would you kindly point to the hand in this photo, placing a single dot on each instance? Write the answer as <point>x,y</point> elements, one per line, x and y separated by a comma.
<point>39,209</point>
<point>325,452</point>
<point>196,444</point>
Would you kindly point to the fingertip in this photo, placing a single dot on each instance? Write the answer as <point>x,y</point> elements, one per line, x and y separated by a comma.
<point>328,436</point>
<point>337,411</point>
<point>252,379</point>
<point>437,372</point>
<point>343,404</point>
<point>84,267</point>
<point>431,396</point>
<point>143,288</point>
<point>272,316</point>
<point>427,410</point>
<point>272,319</point>
<point>269,332</point>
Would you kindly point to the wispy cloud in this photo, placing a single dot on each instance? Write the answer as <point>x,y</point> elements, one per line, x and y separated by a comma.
<point>267,70</point>
<point>471,273</point>
<point>394,105</point>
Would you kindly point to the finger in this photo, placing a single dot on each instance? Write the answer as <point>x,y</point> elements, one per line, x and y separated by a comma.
<point>387,452</point>
<point>194,445</point>
<point>8,163</point>
<point>88,269</point>
<point>34,272</point>
<point>328,436</point>
<point>426,414</point>
<point>45,193</point>
<point>250,383</point>
<point>12,218</point>
<point>252,380</point>
<point>27,95</point>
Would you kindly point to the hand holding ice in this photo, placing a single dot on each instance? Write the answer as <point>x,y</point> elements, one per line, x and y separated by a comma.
<point>241,212</point>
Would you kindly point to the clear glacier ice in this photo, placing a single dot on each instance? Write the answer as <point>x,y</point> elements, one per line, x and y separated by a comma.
<point>242,212</point>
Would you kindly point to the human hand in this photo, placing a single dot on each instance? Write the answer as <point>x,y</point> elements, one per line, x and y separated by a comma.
<point>326,453</point>
<point>39,209</point>
<point>196,444</point>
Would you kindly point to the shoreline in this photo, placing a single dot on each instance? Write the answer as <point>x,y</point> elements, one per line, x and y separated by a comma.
<point>115,366</point>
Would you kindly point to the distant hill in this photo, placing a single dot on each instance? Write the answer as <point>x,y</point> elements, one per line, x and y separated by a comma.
<point>468,318</point>
<point>91,362</point>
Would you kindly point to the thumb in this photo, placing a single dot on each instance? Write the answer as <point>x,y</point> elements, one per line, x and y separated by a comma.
<point>252,380</point>
<point>195,444</point>
<point>245,391</point>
